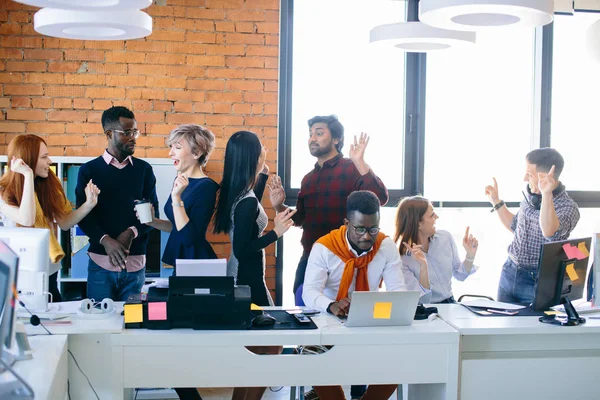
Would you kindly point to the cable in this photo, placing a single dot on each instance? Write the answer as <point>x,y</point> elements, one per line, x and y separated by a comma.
<point>273,390</point>
<point>83,373</point>
<point>69,389</point>
<point>27,387</point>
<point>136,393</point>
<point>34,319</point>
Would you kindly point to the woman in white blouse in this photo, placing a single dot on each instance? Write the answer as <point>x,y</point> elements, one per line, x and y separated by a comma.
<point>430,257</point>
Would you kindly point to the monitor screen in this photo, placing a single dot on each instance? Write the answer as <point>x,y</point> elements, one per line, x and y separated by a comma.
<point>561,272</point>
<point>8,275</point>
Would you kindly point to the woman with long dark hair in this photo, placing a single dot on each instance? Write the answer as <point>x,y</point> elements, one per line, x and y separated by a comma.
<point>430,256</point>
<point>32,196</point>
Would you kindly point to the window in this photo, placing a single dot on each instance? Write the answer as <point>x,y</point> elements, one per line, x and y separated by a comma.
<point>575,86</point>
<point>479,117</point>
<point>337,71</point>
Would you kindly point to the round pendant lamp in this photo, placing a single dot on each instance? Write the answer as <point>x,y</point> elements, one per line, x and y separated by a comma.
<point>416,37</point>
<point>477,14</point>
<point>97,25</point>
<point>90,5</point>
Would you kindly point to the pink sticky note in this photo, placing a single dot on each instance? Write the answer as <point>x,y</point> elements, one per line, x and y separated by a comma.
<point>573,252</point>
<point>157,311</point>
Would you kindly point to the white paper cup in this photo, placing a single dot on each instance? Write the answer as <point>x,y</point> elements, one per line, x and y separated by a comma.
<point>144,211</point>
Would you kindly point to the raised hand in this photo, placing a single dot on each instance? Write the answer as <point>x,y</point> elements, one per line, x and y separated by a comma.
<point>181,182</point>
<point>470,244</point>
<point>547,182</point>
<point>416,251</point>
<point>491,191</point>
<point>18,165</point>
<point>357,149</point>
<point>91,194</point>
<point>276,192</point>
<point>283,221</point>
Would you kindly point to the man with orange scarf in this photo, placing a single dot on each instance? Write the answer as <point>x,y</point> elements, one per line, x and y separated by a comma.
<point>355,257</point>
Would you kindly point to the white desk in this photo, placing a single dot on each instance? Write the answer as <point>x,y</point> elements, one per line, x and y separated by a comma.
<point>521,358</point>
<point>46,372</point>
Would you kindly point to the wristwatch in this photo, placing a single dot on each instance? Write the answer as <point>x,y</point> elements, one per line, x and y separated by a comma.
<point>329,307</point>
<point>178,203</point>
<point>497,206</point>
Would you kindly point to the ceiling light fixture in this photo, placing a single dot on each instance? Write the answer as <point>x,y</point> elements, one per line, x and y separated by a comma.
<point>90,5</point>
<point>419,38</point>
<point>474,14</point>
<point>97,25</point>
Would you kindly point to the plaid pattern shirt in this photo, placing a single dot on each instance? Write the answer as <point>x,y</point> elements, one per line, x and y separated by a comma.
<point>525,247</point>
<point>321,201</point>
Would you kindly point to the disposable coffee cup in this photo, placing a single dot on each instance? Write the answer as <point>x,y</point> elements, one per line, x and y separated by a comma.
<point>144,210</point>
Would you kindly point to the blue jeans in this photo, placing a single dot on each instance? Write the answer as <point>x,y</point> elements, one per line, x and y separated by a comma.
<point>517,283</point>
<point>103,284</point>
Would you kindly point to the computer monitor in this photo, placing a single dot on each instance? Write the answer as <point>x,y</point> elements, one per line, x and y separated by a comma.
<point>561,277</point>
<point>32,247</point>
<point>9,263</point>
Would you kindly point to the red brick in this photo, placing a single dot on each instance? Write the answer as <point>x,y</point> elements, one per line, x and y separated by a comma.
<point>85,104</point>
<point>165,59</point>
<point>185,119</point>
<point>257,109</point>
<point>21,102</point>
<point>222,26</point>
<point>164,23</point>
<point>241,108</point>
<point>167,36</point>
<point>165,82</point>
<point>63,66</point>
<point>3,15</point>
<point>84,55</point>
<point>271,62</point>
<point>187,71</point>
<point>28,41</point>
<point>84,79</point>
<point>56,43</point>
<point>271,109</point>
<point>105,93</point>
<point>125,57</point>
<point>26,115</point>
<point>267,27</point>
<point>41,102</point>
<point>122,103</point>
<point>272,40</point>
<point>11,53</point>
<point>270,120</point>
<point>201,107</point>
<point>229,50</point>
<point>95,140</point>
<point>244,85</point>
<point>269,51</point>
<point>142,105</point>
<point>26,66</point>
<point>224,97</point>
<point>11,77</point>
<point>152,94</point>
<point>213,61</point>
<point>200,37</point>
<point>235,4</point>
<point>244,62</point>
<point>43,54</point>
<point>4,102</point>
<point>66,140</point>
<point>84,128</point>
<point>227,73</point>
<point>244,38</point>
<point>251,97</point>
<point>158,11</point>
<point>187,95</point>
<point>163,105</point>
<point>144,46</point>
<point>83,151</point>
<point>63,103</point>
<point>12,127</point>
<point>245,15</point>
<point>160,129</point>
<point>150,117</point>
<point>45,78</point>
<point>222,108</point>
<point>67,116</point>
<point>34,90</point>
<point>102,104</point>
<point>245,27</point>
<point>143,69</point>
<point>2,65</point>
<point>125,81</point>
<point>157,153</point>
<point>224,120</point>
<point>199,25</point>
<point>185,48</point>
<point>64,91</point>
<point>182,107</point>
<point>267,74</point>
<point>19,16</point>
<point>263,4</point>
<point>115,69</point>
<point>199,13</point>
<point>272,16</point>
<point>105,44</point>
<point>95,116</point>
<point>45,127</point>
<point>205,84</point>
<point>271,86</point>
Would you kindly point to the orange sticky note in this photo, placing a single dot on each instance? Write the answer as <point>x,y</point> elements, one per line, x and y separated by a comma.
<point>382,310</point>
<point>582,248</point>
<point>157,311</point>
<point>133,313</point>
<point>571,272</point>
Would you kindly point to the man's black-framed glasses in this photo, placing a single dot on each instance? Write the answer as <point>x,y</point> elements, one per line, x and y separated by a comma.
<point>361,230</point>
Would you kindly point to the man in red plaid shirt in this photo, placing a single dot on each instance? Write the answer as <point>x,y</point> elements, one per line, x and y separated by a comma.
<point>321,205</point>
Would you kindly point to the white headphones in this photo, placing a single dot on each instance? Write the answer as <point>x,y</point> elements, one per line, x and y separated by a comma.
<point>89,308</point>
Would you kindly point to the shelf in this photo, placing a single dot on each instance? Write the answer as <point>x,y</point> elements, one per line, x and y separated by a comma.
<point>73,279</point>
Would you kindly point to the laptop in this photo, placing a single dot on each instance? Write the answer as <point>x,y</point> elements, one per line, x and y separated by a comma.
<point>382,308</point>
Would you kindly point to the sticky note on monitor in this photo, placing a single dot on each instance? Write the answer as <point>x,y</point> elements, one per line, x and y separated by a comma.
<point>582,248</point>
<point>134,313</point>
<point>571,272</point>
<point>382,310</point>
<point>157,311</point>
<point>254,307</point>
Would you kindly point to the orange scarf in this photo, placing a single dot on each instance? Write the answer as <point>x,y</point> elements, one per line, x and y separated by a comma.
<point>335,241</point>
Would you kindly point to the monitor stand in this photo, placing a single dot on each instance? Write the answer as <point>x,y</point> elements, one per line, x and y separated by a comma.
<point>573,318</point>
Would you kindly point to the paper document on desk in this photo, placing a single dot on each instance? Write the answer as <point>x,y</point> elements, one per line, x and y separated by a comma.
<point>216,267</point>
<point>485,303</point>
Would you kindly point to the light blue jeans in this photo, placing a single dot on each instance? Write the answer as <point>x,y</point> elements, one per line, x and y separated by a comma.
<point>517,283</point>
<point>103,284</point>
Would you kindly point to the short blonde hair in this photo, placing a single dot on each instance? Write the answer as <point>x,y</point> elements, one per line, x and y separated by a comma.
<point>200,139</point>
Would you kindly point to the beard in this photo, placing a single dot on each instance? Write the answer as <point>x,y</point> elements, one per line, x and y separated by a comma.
<point>319,151</point>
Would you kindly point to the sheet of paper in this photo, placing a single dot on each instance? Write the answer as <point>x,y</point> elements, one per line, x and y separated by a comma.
<point>485,303</point>
<point>134,313</point>
<point>582,248</point>
<point>157,311</point>
<point>571,272</point>
<point>382,310</point>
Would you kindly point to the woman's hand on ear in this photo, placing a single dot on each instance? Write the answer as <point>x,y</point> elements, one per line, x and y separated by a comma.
<point>18,165</point>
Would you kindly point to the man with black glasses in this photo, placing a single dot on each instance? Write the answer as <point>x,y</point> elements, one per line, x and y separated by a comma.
<point>117,239</point>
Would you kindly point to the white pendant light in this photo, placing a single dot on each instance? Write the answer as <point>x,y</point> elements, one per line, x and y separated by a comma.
<point>90,5</point>
<point>417,37</point>
<point>475,14</point>
<point>97,25</point>
<point>592,41</point>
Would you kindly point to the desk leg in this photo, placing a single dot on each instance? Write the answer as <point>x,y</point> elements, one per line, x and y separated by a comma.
<point>446,391</point>
<point>117,370</point>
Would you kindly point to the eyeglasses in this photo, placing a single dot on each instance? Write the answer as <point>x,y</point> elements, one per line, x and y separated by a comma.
<point>361,230</point>
<point>135,133</point>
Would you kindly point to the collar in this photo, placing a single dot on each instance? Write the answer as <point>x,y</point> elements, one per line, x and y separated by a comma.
<point>354,251</point>
<point>108,158</point>
<point>330,163</point>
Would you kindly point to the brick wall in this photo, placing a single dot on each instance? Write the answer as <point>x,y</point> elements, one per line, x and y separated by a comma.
<point>211,62</point>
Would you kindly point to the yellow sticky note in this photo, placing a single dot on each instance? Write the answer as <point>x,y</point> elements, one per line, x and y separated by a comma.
<point>551,312</point>
<point>571,272</point>
<point>254,307</point>
<point>382,310</point>
<point>583,249</point>
<point>133,313</point>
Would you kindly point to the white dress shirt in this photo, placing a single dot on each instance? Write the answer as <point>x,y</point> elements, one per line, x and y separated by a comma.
<point>443,263</point>
<point>324,273</point>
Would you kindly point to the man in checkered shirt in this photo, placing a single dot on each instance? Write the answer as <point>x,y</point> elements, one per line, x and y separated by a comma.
<point>323,192</point>
<point>547,214</point>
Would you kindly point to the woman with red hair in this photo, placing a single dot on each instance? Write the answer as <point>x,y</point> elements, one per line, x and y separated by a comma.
<point>32,196</point>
